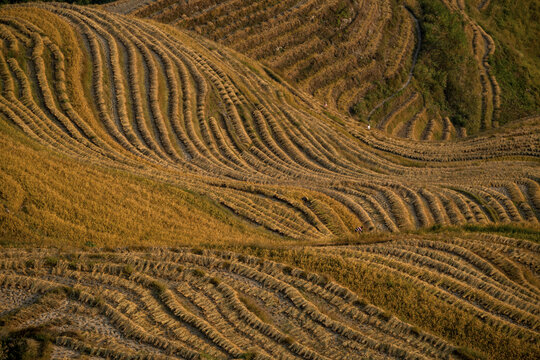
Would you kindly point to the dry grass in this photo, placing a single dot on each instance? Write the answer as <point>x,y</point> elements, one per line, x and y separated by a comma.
<point>52,199</point>
<point>349,55</point>
<point>236,306</point>
<point>417,278</point>
<point>183,303</point>
<point>167,106</point>
<point>166,139</point>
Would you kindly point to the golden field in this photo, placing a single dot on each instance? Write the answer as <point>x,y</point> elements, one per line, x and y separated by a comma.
<point>165,196</point>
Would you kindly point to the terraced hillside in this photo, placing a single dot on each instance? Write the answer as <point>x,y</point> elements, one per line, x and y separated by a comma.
<point>356,56</point>
<point>343,52</point>
<point>118,134</point>
<point>184,304</point>
<point>483,47</point>
<point>336,50</point>
<point>514,62</point>
<point>461,271</point>
<point>180,305</point>
<point>178,109</point>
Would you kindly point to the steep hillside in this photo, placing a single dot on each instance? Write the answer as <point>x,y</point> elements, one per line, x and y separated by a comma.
<point>340,51</point>
<point>360,57</point>
<point>149,297</point>
<point>514,27</point>
<point>164,105</point>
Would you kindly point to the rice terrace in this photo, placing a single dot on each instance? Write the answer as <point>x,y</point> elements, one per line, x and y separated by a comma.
<point>270,179</point>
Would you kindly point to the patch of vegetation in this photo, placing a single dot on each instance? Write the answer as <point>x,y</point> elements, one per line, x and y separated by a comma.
<point>341,12</point>
<point>507,230</point>
<point>520,87</point>
<point>380,90</point>
<point>514,26</point>
<point>446,70</point>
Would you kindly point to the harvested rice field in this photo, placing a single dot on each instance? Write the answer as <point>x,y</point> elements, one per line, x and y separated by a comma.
<point>191,303</point>
<point>265,179</point>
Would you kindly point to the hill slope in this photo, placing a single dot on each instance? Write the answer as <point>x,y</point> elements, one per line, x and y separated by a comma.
<point>339,50</point>
<point>167,106</point>
<point>196,304</point>
<point>358,56</point>
<point>117,132</point>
